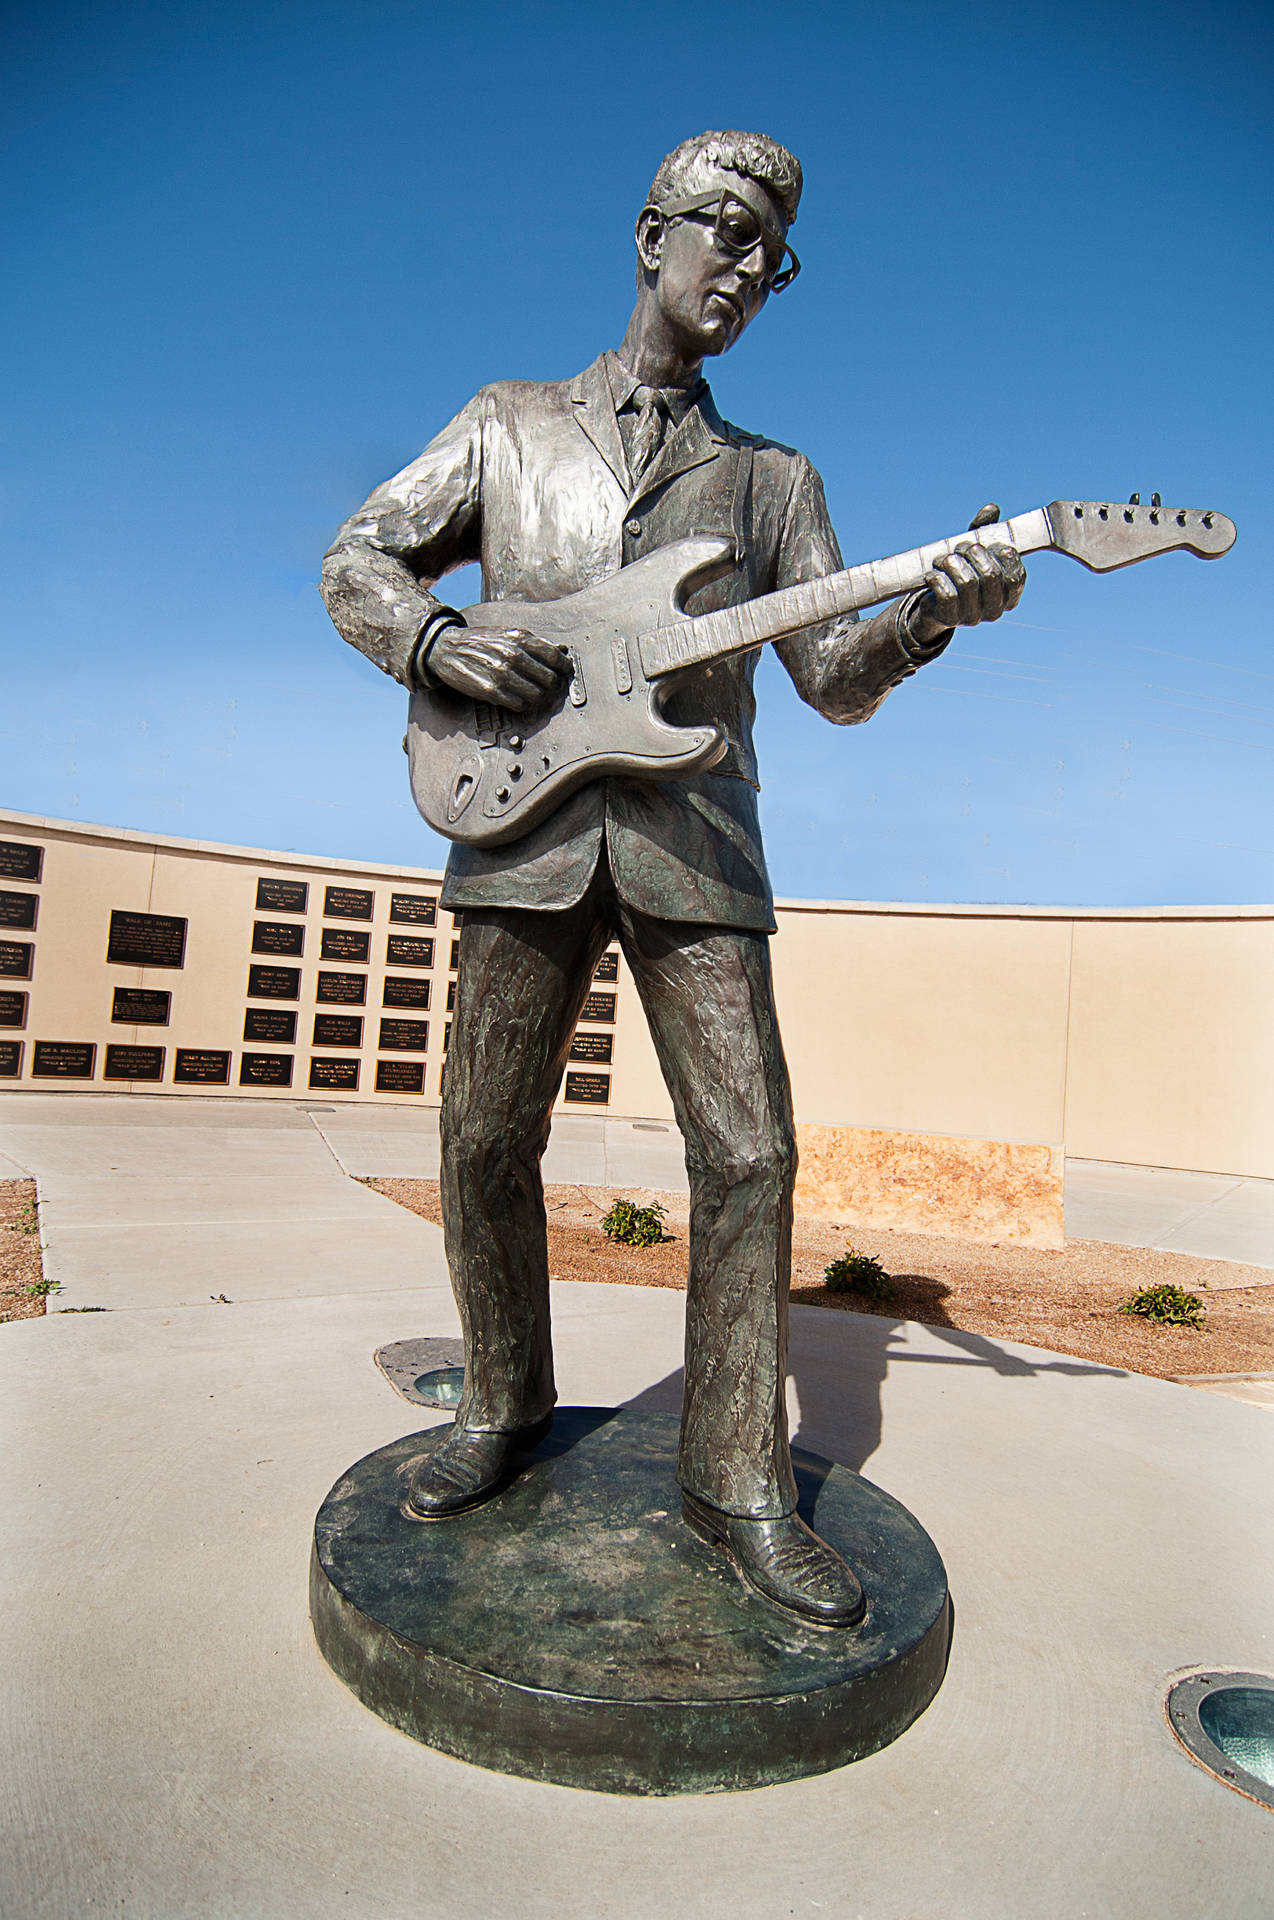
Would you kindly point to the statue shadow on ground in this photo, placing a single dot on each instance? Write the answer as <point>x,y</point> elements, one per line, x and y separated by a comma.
<point>839,1370</point>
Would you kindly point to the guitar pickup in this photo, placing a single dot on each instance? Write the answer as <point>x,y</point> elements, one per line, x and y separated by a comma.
<point>623,667</point>
<point>577,689</point>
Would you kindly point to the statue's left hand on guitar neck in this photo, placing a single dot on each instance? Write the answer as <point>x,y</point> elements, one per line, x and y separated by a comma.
<point>964,589</point>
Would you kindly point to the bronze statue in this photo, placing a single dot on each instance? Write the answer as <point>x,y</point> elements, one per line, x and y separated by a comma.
<point>554,487</point>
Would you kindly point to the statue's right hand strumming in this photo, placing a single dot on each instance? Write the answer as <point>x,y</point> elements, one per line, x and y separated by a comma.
<point>504,665</point>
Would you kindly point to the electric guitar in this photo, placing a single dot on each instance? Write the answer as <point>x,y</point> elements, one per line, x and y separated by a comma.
<point>483,775</point>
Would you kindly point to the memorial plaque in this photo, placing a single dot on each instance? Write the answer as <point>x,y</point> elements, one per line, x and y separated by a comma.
<point>20,861</point>
<point>146,939</point>
<point>348,903</point>
<point>446,1036</point>
<point>400,1076</point>
<point>405,993</point>
<point>402,951</point>
<point>599,1006</point>
<point>593,1046</point>
<point>344,943</point>
<point>413,909</point>
<point>336,1076</point>
<point>265,1069</point>
<point>455,955</point>
<point>15,959</point>
<point>133,1063</point>
<point>278,936</point>
<point>141,1007</point>
<point>10,1059</point>
<point>404,1036</point>
<point>342,989</point>
<point>13,1009</point>
<point>18,910</point>
<point>451,996</point>
<point>269,1023</point>
<point>592,1089</point>
<point>338,1030</point>
<point>607,967</point>
<point>63,1060</point>
<point>202,1066</point>
<point>282,896</point>
<point>274,983</point>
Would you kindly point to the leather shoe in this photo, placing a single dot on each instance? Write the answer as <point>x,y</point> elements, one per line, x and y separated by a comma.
<point>469,1466</point>
<point>785,1561</point>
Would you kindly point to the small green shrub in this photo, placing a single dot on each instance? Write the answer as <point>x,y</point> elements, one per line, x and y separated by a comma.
<point>1171,1306</point>
<point>857,1272</point>
<point>635,1226</point>
<point>41,1289</point>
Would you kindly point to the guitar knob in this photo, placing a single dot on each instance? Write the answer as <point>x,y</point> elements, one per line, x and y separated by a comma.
<point>515,743</point>
<point>514,769</point>
<point>502,794</point>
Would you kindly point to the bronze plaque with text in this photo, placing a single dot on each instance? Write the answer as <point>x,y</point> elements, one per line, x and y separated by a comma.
<point>269,1023</point>
<point>404,1036</point>
<point>63,1059</point>
<point>607,967</point>
<point>402,951</point>
<point>140,1007</point>
<point>15,959</point>
<point>400,1076</point>
<point>146,939</point>
<point>20,861</point>
<point>133,1063</point>
<point>282,896</point>
<point>13,1009</point>
<point>593,1046</point>
<point>342,989</point>
<point>598,1006</point>
<point>338,1030</point>
<point>413,909</point>
<point>346,943</point>
<point>265,1069</point>
<point>348,903</point>
<point>455,955</point>
<point>337,1076</point>
<point>405,993</point>
<point>278,936</point>
<point>202,1066</point>
<point>18,910</point>
<point>274,983</point>
<point>592,1089</point>
<point>10,1059</point>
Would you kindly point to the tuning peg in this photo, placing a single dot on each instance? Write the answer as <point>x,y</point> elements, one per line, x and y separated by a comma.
<point>986,516</point>
<point>1134,499</point>
<point>1155,501</point>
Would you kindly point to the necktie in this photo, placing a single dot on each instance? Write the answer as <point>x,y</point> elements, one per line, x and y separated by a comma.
<point>648,434</point>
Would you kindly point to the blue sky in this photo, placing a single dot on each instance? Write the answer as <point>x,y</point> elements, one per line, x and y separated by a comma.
<point>257,255</point>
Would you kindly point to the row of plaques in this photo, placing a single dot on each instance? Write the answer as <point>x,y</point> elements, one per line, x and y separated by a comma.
<point>346,903</point>
<point>286,940</point>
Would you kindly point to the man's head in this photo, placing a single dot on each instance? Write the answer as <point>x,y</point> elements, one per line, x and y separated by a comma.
<point>712,237</point>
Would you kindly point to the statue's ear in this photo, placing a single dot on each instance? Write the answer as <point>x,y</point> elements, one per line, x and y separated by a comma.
<point>650,238</point>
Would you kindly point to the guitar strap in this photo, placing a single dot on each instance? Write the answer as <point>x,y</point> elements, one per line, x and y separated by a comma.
<point>742,496</point>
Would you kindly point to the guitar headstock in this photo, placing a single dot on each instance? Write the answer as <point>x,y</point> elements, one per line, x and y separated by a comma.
<point>1104,536</point>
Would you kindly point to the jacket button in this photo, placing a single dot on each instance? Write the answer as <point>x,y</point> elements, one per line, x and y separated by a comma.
<point>633,529</point>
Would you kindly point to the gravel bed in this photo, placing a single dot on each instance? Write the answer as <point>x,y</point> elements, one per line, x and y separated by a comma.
<point>21,1267</point>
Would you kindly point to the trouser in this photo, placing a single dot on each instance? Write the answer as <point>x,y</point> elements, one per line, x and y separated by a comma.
<point>709,1000</point>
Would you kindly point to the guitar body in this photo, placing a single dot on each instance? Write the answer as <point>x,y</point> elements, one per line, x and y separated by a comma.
<point>483,775</point>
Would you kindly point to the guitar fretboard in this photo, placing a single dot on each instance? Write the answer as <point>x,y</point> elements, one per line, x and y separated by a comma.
<point>695,641</point>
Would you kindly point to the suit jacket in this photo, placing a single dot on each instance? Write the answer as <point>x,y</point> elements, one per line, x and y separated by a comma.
<point>531,480</point>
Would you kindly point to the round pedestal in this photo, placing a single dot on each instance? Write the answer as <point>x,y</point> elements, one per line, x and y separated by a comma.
<point>574,1630</point>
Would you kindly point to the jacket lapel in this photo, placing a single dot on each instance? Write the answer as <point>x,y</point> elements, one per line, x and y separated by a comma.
<point>699,438</point>
<point>594,412</point>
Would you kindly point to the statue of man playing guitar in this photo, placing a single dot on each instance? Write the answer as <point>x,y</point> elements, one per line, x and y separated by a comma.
<point>554,487</point>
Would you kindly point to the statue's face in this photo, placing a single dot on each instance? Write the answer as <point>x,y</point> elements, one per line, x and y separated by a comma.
<point>709,293</point>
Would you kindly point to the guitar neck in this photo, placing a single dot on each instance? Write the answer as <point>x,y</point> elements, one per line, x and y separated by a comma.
<point>701,638</point>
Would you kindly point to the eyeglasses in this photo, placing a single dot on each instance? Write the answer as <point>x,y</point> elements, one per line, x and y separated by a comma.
<point>738,230</point>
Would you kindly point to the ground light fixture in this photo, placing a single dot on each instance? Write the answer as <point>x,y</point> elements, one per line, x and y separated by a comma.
<point>1225,1722</point>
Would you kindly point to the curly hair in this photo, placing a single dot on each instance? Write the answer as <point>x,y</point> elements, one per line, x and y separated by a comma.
<point>688,168</point>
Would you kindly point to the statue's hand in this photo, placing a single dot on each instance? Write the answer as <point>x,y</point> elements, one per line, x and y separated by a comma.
<point>963,589</point>
<point>505,665</point>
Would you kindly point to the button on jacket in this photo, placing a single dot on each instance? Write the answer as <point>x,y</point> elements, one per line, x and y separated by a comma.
<point>531,480</point>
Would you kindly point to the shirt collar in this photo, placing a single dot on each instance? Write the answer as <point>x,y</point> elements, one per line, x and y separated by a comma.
<point>623,385</point>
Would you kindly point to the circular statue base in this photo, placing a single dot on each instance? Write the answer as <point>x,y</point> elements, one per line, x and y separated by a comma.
<point>574,1630</point>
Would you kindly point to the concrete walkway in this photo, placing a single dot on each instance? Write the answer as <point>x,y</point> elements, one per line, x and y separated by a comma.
<point>177,1749</point>
<point>1210,1215</point>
